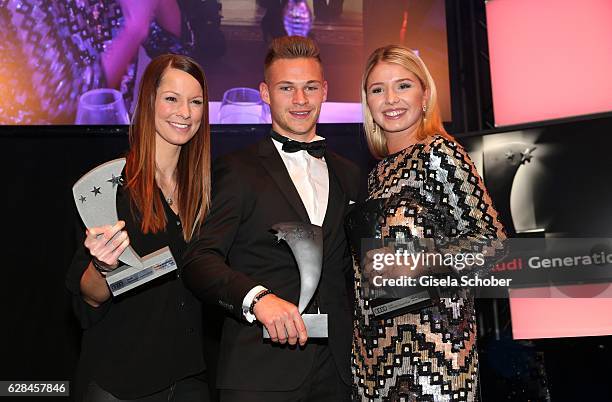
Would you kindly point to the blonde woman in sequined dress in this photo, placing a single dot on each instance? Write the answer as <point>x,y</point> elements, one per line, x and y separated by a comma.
<point>430,190</point>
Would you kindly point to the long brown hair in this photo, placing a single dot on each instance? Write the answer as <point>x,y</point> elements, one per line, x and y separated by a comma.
<point>431,122</point>
<point>193,168</point>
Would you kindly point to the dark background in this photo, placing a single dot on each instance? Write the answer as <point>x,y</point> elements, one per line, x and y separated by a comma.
<point>40,337</point>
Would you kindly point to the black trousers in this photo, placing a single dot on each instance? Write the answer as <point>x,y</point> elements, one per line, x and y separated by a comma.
<point>187,390</point>
<point>323,384</point>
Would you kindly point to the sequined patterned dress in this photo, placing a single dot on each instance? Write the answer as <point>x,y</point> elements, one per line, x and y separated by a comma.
<point>432,190</point>
<point>50,54</point>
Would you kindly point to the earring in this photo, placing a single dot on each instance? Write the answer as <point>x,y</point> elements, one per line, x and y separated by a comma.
<point>424,108</point>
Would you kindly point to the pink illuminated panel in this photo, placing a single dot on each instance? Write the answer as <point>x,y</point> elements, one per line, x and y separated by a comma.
<point>565,311</point>
<point>549,58</point>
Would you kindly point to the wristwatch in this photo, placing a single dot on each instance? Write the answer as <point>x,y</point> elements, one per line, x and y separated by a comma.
<point>257,298</point>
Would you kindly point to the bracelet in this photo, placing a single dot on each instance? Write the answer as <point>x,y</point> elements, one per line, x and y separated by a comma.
<point>101,269</point>
<point>257,298</point>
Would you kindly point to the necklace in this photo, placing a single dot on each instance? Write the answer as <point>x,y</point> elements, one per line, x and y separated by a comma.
<point>161,184</point>
<point>168,198</point>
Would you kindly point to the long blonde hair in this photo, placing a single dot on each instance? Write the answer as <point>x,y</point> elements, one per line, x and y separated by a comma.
<point>431,121</point>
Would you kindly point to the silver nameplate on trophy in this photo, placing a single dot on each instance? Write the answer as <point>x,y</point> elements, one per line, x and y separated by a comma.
<point>95,195</point>
<point>316,326</point>
<point>306,243</point>
<point>386,309</point>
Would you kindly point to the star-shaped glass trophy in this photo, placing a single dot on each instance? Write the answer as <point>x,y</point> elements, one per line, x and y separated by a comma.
<point>306,243</point>
<point>95,195</point>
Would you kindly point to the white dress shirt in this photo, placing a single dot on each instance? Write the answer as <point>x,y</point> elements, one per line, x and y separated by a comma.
<point>311,180</point>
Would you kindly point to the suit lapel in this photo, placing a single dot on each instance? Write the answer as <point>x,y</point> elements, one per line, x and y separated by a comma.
<point>335,165</point>
<point>337,196</point>
<point>275,167</point>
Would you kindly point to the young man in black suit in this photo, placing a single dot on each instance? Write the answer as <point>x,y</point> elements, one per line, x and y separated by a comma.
<point>236,262</point>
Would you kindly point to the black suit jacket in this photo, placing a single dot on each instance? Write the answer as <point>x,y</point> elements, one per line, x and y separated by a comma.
<point>235,251</point>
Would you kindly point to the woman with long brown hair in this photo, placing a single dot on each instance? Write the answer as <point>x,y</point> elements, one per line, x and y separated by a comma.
<point>423,187</point>
<point>146,344</point>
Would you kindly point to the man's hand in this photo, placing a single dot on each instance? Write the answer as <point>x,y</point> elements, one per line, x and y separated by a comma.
<point>282,320</point>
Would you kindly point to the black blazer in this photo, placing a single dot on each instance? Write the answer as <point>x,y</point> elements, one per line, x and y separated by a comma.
<point>235,251</point>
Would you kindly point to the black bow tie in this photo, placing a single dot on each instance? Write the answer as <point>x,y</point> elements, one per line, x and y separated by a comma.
<point>315,148</point>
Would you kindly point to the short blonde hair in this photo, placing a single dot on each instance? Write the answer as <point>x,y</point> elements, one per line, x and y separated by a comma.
<point>291,47</point>
<point>431,123</point>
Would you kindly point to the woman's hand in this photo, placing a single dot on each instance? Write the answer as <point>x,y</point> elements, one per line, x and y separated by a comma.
<point>106,243</point>
<point>390,263</point>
